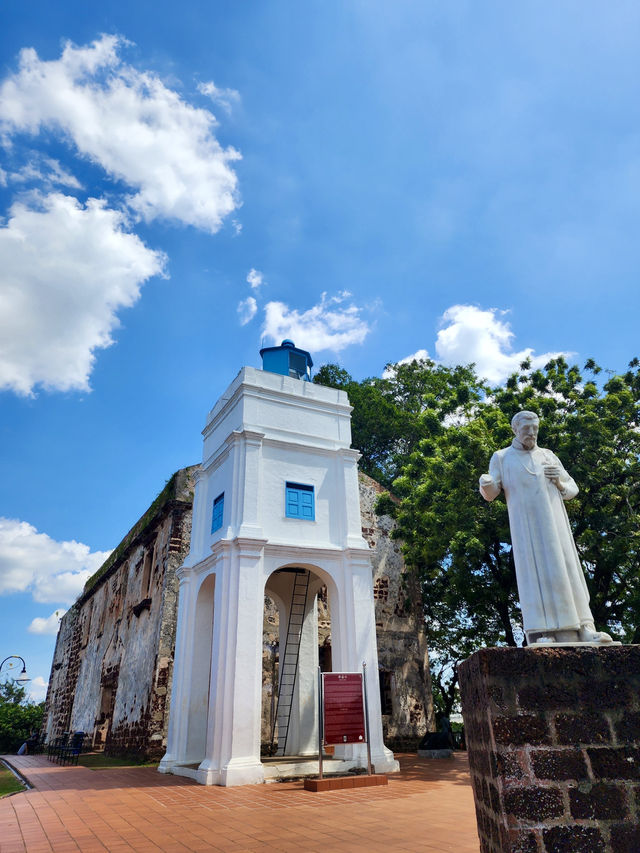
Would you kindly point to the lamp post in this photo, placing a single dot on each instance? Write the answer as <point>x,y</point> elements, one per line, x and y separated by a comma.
<point>23,677</point>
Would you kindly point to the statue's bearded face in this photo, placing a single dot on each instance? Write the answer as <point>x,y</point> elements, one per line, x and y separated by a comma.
<point>527,433</point>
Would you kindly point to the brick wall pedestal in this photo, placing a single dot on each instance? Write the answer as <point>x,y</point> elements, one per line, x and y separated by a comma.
<point>554,747</point>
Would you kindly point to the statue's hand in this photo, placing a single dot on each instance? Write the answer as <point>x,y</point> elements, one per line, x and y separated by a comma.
<point>489,488</point>
<point>552,472</point>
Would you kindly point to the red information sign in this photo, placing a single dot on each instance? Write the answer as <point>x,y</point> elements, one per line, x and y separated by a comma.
<point>343,712</point>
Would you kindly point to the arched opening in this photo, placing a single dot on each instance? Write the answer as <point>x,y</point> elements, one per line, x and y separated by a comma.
<point>201,671</point>
<point>296,639</point>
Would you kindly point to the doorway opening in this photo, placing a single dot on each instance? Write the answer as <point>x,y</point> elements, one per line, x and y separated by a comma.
<point>296,639</point>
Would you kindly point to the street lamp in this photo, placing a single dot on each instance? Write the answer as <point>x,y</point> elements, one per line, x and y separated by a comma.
<point>23,677</point>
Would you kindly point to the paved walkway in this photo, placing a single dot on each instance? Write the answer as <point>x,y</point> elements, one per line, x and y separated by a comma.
<point>428,807</point>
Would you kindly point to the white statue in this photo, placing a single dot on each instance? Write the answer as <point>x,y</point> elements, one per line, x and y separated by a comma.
<point>553,593</point>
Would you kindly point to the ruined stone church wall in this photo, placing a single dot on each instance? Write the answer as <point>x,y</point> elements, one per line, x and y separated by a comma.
<point>403,656</point>
<point>111,672</point>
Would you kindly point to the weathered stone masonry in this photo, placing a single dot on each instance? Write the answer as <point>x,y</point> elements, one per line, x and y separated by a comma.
<point>113,663</point>
<point>554,747</point>
<point>111,672</point>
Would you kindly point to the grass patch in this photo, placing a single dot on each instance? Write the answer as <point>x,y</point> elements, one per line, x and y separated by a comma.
<point>8,782</point>
<point>100,761</point>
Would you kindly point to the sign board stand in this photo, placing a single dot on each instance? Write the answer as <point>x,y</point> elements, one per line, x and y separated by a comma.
<point>343,717</point>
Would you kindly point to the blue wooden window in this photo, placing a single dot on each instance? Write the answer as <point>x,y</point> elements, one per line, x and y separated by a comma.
<point>299,502</point>
<point>218,512</point>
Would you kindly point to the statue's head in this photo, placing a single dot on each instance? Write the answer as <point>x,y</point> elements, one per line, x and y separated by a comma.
<point>525,427</point>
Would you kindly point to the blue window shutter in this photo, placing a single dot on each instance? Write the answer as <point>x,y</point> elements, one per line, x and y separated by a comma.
<point>299,501</point>
<point>306,505</point>
<point>293,503</point>
<point>218,513</point>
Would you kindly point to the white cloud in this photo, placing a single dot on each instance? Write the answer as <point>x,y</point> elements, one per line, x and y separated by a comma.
<point>226,98</point>
<point>48,626</point>
<point>129,123</point>
<point>65,270</point>
<point>37,689</point>
<point>471,334</point>
<point>247,309</point>
<point>46,172</point>
<point>329,325</point>
<point>255,278</point>
<point>34,562</point>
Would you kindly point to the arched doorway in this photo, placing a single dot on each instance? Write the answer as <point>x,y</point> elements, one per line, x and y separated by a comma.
<point>201,671</point>
<point>293,634</point>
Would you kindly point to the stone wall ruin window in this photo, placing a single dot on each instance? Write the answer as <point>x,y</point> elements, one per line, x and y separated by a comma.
<point>86,628</point>
<point>381,589</point>
<point>146,571</point>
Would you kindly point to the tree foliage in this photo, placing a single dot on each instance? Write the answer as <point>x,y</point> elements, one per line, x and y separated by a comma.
<point>393,413</point>
<point>428,432</point>
<point>18,716</point>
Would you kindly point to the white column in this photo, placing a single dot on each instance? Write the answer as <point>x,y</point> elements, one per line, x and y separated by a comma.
<point>351,498</point>
<point>359,569</point>
<point>250,521</point>
<point>303,728</point>
<point>233,744</point>
<point>178,714</point>
<point>199,526</point>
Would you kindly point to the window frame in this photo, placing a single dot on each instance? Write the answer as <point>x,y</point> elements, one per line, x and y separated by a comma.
<point>299,510</point>
<point>217,515</point>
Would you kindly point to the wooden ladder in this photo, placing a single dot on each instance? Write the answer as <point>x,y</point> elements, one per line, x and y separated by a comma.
<point>289,661</point>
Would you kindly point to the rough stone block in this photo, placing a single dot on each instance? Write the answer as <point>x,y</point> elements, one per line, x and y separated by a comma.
<point>499,697</point>
<point>625,838</point>
<point>559,764</point>
<point>524,729</point>
<point>479,761</point>
<point>508,765</point>
<point>598,802</point>
<point>534,804</point>
<point>608,695</point>
<point>538,697</point>
<point>615,763</point>
<point>573,839</point>
<point>587,728</point>
<point>494,798</point>
<point>522,842</point>
<point>628,727</point>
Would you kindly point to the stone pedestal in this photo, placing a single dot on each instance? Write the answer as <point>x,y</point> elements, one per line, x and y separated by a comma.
<point>554,748</point>
<point>435,753</point>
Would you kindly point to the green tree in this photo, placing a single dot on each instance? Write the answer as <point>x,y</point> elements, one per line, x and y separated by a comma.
<point>391,414</point>
<point>428,433</point>
<point>18,716</point>
<point>460,546</point>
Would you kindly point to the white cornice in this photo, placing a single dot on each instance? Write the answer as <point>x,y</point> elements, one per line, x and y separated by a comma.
<point>243,385</point>
<point>235,437</point>
<point>305,443</point>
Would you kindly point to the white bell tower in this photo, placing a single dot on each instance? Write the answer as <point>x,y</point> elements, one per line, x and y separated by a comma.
<point>277,512</point>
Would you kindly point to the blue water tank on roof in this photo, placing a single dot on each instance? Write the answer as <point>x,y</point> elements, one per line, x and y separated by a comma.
<point>287,360</point>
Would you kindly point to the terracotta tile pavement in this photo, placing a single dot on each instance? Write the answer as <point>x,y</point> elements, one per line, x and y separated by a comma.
<point>428,807</point>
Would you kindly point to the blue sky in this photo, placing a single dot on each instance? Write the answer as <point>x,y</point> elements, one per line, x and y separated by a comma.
<point>179,182</point>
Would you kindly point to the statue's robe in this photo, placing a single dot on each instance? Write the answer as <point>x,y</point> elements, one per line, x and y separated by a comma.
<point>551,585</point>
